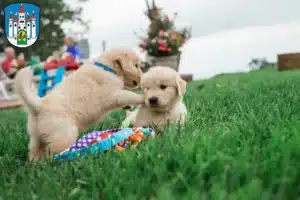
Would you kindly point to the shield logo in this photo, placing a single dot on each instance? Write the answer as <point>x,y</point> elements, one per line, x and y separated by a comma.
<point>22,24</point>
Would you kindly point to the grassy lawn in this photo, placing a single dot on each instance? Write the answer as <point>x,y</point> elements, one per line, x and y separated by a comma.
<point>242,141</point>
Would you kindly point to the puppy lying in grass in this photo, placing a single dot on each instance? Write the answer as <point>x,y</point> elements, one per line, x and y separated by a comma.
<point>82,98</point>
<point>163,89</point>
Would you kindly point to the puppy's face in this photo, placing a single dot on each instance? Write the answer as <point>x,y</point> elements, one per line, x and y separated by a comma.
<point>127,63</point>
<point>162,86</point>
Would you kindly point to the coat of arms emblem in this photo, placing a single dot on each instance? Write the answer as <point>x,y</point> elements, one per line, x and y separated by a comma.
<point>22,24</point>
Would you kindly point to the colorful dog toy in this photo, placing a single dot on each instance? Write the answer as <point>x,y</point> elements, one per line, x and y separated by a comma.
<point>99,141</point>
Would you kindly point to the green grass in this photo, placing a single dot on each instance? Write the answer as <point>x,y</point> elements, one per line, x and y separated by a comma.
<point>242,142</point>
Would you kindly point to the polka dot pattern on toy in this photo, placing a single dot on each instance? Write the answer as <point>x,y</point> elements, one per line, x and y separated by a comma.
<point>98,141</point>
<point>92,138</point>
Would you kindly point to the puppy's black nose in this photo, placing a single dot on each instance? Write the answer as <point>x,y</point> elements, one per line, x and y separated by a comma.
<point>153,100</point>
<point>135,83</point>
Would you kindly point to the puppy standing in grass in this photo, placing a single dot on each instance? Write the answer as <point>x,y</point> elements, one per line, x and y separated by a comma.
<point>84,97</point>
<point>163,89</point>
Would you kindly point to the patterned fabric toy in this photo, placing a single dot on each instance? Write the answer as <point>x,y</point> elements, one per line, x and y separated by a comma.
<point>98,141</point>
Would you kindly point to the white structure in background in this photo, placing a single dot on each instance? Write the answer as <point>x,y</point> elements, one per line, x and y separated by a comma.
<point>22,22</point>
<point>231,51</point>
<point>5,82</point>
<point>83,44</point>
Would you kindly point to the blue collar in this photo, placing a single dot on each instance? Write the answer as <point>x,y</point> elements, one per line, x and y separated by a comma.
<point>106,68</point>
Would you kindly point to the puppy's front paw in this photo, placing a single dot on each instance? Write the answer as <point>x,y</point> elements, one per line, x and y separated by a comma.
<point>139,100</point>
<point>143,99</point>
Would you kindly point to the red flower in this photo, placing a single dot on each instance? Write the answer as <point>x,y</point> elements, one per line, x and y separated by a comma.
<point>161,33</point>
<point>162,48</point>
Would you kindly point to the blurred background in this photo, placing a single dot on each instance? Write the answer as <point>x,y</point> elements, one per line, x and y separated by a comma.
<point>221,36</point>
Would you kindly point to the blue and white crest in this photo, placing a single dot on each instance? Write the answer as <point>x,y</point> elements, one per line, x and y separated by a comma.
<point>22,24</point>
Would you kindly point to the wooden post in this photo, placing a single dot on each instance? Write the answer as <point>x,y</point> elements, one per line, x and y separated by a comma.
<point>103,45</point>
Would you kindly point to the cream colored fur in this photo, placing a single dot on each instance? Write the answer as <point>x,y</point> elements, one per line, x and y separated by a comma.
<point>169,108</point>
<point>84,97</point>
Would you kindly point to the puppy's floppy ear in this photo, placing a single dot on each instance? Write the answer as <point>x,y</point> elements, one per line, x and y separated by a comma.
<point>118,63</point>
<point>181,86</point>
<point>119,60</point>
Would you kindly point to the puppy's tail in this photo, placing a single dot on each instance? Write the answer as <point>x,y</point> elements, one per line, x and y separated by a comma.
<point>23,86</point>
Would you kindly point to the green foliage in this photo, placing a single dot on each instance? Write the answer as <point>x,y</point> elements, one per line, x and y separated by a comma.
<point>260,63</point>
<point>241,142</point>
<point>53,14</point>
<point>1,41</point>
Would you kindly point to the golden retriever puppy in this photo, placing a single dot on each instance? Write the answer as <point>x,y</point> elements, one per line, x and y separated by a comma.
<point>163,89</point>
<point>84,97</point>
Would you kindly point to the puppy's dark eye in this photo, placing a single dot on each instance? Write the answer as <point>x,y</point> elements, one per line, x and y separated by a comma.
<point>163,87</point>
<point>137,65</point>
